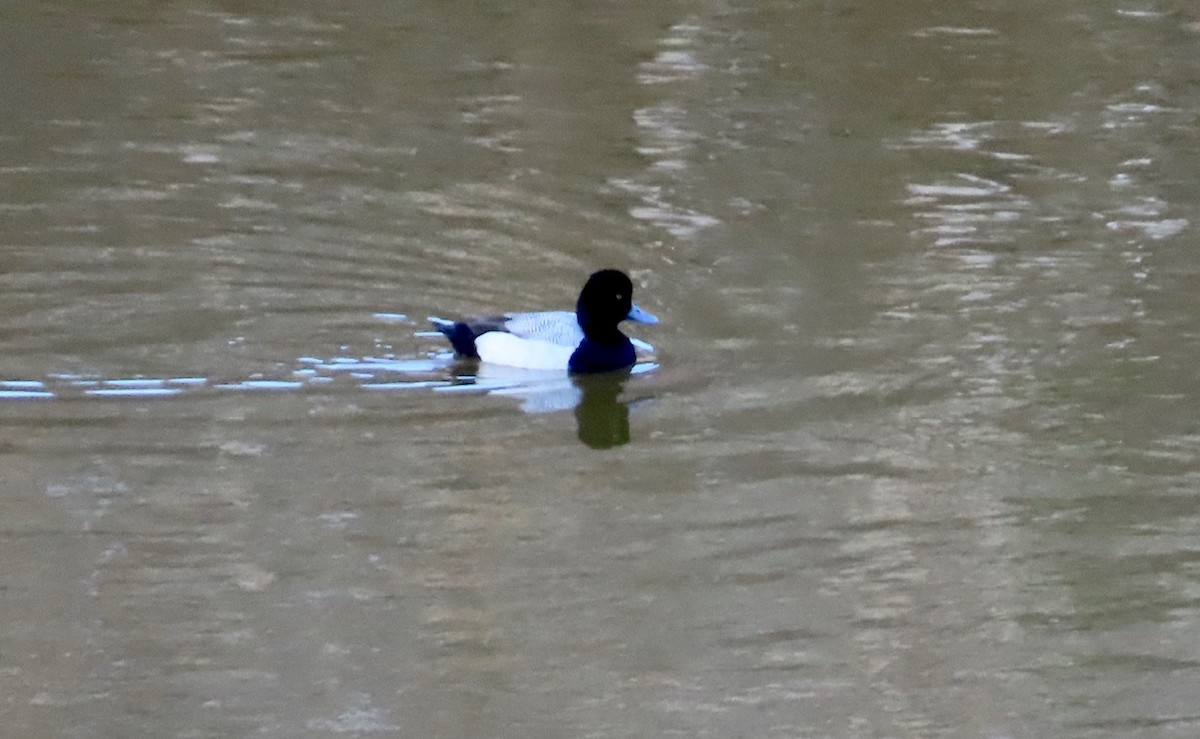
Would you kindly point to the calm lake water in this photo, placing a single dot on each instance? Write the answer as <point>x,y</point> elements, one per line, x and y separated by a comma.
<point>916,453</point>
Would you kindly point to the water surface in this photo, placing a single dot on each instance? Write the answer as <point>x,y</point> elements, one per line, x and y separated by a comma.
<point>915,455</point>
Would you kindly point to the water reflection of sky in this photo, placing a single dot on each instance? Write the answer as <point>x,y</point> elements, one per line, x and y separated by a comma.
<point>537,391</point>
<point>603,419</point>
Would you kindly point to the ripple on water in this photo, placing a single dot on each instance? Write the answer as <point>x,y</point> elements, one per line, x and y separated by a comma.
<point>969,209</point>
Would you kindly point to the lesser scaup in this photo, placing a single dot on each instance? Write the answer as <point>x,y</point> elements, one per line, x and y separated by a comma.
<point>584,341</point>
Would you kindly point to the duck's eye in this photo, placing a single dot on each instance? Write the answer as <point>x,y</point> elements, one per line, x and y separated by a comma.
<point>620,296</point>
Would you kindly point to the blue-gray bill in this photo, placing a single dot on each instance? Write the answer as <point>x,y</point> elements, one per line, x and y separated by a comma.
<point>638,315</point>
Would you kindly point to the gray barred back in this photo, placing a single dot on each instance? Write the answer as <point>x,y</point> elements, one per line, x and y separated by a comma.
<point>555,326</point>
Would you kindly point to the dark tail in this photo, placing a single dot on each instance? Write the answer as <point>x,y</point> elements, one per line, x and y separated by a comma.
<point>461,337</point>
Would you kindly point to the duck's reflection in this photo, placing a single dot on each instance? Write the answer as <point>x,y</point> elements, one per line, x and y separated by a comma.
<point>601,418</point>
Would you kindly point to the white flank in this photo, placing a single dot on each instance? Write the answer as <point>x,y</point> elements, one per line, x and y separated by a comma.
<point>499,347</point>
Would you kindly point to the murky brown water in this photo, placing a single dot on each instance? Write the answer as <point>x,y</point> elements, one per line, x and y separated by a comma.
<point>920,457</point>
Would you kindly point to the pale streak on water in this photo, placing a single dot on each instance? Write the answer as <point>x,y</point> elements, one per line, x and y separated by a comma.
<point>916,453</point>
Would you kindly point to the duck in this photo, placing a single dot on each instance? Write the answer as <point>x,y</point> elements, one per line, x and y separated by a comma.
<point>584,341</point>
